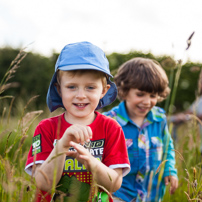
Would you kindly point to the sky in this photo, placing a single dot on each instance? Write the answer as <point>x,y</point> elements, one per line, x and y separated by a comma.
<point>161,27</point>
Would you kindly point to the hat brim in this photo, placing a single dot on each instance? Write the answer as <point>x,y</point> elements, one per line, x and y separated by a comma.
<point>83,67</point>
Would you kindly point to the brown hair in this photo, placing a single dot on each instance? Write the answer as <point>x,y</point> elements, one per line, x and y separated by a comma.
<point>143,74</point>
<point>98,74</point>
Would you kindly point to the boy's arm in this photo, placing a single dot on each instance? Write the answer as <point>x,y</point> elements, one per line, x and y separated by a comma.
<point>110,179</point>
<point>170,172</point>
<point>169,154</point>
<point>52,168</point>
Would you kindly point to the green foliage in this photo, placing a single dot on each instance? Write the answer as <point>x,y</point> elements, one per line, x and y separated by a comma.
<point>35,72</point>
<point>17,120</point>
<point>15,184</point>
<point>33,76</point>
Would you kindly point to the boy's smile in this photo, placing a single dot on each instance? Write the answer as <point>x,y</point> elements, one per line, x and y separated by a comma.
<point>80,95</point>
<point>139,103</point>
<point>79,105</point>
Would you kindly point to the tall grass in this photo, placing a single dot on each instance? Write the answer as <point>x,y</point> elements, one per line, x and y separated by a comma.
<point>15,184</point>
<point>16,133</point>
<point>187,149</point>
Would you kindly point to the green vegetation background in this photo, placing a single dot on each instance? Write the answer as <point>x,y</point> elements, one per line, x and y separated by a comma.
<point>21,110</point>
<point>35,73</point>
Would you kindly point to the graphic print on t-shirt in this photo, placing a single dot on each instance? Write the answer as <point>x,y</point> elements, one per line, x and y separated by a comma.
<point>76,180</point>
<point>36,144</point>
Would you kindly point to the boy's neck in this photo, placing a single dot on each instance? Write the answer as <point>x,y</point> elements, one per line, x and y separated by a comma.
<point>138,120</point>
<point>80,120</point>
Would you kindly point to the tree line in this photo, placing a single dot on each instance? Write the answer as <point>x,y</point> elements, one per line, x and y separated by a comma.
<point>35,72</point>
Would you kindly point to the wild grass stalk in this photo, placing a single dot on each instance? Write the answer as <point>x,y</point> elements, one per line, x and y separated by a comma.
<point>169,104</point>
<point>15,184</point>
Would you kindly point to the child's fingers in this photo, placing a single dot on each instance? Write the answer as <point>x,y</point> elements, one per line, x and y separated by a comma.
<point>80,133</point>
<point>83,156</point>
<point>72,154</point>
<point>72,133</point>
<point>86,134</point>
<point>79,148</point>
<point>90,133</point>
<point>166,180</point>
<point>174,184</point>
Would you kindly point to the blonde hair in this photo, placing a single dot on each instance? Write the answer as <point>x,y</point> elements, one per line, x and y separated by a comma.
<point>98,74</point>
<point>143,74</point>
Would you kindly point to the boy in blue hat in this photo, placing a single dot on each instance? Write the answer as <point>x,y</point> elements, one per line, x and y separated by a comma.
<point>81,146</point>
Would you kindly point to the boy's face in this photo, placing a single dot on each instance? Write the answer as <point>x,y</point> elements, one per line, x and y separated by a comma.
<point>80,95</point>
<point>139,103</point>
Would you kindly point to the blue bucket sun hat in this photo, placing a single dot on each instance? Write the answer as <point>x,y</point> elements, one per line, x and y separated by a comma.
<point>78,56</point>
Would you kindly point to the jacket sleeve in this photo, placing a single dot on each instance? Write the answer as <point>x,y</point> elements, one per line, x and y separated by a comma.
<point>168,153</point>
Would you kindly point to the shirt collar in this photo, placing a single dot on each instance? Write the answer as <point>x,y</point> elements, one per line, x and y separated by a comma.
<point>155,114</point>
<point>122,115</point>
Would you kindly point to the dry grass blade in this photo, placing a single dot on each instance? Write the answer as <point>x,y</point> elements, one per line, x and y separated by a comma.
<point>29,117</point>
<point>196,118</point>
<point>30,100</point>
<point>6,96</point>
<point>6,150</point>
<point>187,196</point>
<point>34,165</point>
<point>4,133</point>
<point>21,194</point>
<point>110,178</point>
<point>198,199</point>
<point>5,87</point>
<point>187,173</point>
<point>59,154</point>
<point>15,64</point>
<point>194,173</point>
<point>9,112</point>
<point>187,180</point>
<point>103,189</point>
<point>9,170</point>
<point>180,155</point>
<point>150,183</point>
<point>45,176</point>
<point>3,114</point>
<point>162,163</point>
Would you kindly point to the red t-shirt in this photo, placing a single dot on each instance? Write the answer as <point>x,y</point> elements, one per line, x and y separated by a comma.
<point>107,145</point>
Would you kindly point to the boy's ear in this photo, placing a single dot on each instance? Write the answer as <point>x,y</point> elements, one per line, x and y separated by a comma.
<point>104,90</point>
<point>58,88</point>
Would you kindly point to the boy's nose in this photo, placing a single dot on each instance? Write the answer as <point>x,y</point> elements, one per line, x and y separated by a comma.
<point>147,99</point>
<point>80,94</point>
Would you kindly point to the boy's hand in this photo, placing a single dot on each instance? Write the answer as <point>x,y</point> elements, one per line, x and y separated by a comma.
<point>173,183</point>
<point>76,133</point>
<point>83,156</point>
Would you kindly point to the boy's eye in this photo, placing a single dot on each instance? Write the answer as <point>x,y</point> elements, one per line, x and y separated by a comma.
<point>153,95</point>
<point>90,87</point>
<point>71,87</point>
<point>140,94</point>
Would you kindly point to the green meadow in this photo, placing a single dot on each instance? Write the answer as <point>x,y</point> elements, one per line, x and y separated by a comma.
<point>19,115</point>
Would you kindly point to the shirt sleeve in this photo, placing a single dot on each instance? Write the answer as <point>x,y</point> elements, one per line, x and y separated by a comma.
<point>169,153</point>
<point>42,145</point>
